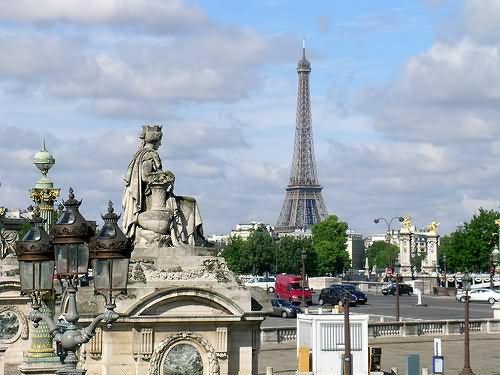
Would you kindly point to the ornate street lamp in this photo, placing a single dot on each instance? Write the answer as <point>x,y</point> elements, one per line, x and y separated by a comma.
<point>347,333</point>
<point>70,239</point>
<point>303,256</point>
<point>466,285</point>
<point>397,270</point>
<point>388,234</point>
<point>494,258</point>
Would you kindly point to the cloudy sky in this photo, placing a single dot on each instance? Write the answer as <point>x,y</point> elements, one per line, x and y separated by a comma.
<point>405,102</point>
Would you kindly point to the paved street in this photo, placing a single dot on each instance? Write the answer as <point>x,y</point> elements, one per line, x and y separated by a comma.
<point>485,358</point>
<point>437,308</point>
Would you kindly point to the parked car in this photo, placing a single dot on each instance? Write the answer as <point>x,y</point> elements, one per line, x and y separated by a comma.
<point>332,296</point>
<point>391,289</point>
<point>361,297</point>
<point>289,287</point>
<point>480,295</point>
<point>283,308</point>
<point>264,282</point>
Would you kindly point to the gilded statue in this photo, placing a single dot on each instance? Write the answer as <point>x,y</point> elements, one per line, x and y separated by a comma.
<point>152,213</point>
<point>406,224</point>
<point>433,227</point>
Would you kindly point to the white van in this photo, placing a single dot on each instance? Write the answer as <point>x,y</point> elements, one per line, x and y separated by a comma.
<point>264,282</point>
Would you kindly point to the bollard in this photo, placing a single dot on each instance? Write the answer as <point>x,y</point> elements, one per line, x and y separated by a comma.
<point>425,371</point>
<point>320,310</point>
<point>412,364</point>
<point>269,371</point>
<point>418,292</point>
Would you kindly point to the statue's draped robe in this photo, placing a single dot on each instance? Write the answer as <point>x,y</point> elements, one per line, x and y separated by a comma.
<point>186,227</point>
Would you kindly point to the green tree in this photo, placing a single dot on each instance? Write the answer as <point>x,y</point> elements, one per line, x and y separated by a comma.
<point>260,246</point>
<point>330,245</point>
<point>289,255</point>
<point>236,255</point>
<point>380,254</point>
<point>254,255</point>
<point>470,246</point>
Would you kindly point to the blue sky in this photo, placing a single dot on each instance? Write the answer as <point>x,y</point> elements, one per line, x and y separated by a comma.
<point>404,102</point>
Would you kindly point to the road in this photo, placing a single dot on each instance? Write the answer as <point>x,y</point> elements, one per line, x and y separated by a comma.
<point>438,308</point>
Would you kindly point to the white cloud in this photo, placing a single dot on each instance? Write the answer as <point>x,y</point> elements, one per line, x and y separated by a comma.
<point>157,15</point>
<point>482,20</point>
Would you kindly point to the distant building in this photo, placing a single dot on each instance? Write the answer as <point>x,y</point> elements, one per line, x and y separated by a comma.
<point>244,230</point>
<point>369,240</point>
<point>356,249</point>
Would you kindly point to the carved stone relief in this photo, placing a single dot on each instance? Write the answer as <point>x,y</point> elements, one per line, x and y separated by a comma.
<point>210,269</point>
<point>13,324</point>
<point>208,353</point>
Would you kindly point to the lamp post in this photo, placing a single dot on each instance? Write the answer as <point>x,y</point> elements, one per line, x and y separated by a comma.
<point>494,258</point>
<point>347,334</point>
<point>68,250</point>
<point>388,234</point>
<point>397,270</point>
<point>303,256</point>
<point>466,284</point>
<point>277,244</point>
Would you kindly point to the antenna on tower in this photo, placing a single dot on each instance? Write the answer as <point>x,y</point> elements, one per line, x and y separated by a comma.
<point>303,48</point>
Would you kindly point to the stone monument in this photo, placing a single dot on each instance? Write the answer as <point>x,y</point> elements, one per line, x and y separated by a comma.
<point>405,235</point>
<point>152,213</point>
<point>185,312</point>
<point>41,358</point>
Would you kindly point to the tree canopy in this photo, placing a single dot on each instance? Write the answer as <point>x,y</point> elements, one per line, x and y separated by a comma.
<point>381,254</point>
<point>470,246</point>
<point>330,244</point>
<point>325,251</point>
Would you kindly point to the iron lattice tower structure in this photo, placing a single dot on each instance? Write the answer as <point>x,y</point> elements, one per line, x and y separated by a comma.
<point>303,205</point>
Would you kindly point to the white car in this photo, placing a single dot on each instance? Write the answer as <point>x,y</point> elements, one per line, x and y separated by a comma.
<point>267,283</point>
<point>480,295</point>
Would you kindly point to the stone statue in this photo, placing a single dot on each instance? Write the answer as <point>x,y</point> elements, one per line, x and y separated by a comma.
<point>406,224</point>
<point>433,227</point>
<point>152,213</point>
<point>7,238</point>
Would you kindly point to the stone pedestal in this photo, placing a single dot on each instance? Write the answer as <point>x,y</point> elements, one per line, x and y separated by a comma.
<point>430,262</point>
<point>405,253</point>
<point>176,296</point>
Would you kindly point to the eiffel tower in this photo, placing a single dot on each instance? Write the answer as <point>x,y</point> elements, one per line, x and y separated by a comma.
<point>303,205</point>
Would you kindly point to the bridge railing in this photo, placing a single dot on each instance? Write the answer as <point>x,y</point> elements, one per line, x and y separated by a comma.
<point>396,329</point>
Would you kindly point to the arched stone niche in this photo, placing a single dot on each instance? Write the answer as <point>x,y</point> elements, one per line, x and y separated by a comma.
<point>184,341</point>
<point>13,324</point>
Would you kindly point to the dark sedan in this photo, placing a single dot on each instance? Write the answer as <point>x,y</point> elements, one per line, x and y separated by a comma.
<point>283,308</point>
<point>333,296</point>
<point>391,289</point>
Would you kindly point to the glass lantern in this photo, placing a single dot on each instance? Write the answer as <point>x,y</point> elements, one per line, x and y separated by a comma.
<point>71,259</point>
<point>71,236</point>
<point>110,257</point>
<point>36,258</point>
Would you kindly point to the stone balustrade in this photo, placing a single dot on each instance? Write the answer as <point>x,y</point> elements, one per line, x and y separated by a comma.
<point>394,329</point>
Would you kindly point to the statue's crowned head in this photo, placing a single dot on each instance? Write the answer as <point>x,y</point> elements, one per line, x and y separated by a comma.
<point>151,133</point>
